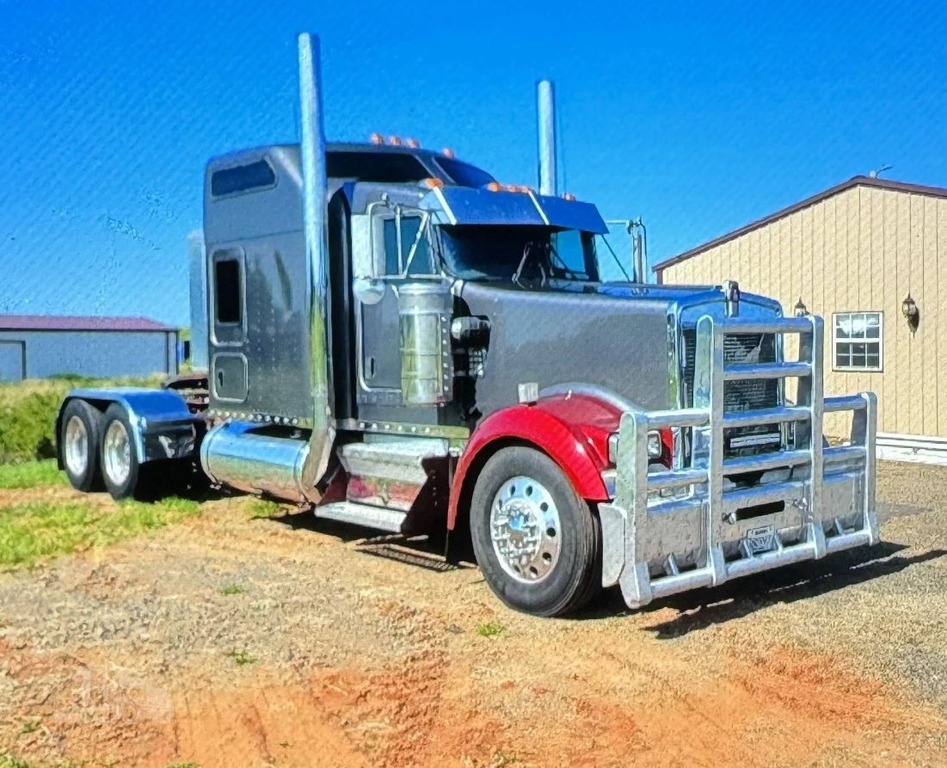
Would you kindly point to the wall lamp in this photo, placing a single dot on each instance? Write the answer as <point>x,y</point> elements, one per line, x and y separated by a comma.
<point>800,310</point>
<point>911,313</point>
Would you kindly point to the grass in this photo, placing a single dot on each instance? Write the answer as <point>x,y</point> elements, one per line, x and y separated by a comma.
<point>241,657</point>
<point>28,413</point>
<point>38,530</point>
<point>232,589</point>
<point>9,761</point>
<point>490,629</point>
<point>31,474</point>
<point>264,509</point>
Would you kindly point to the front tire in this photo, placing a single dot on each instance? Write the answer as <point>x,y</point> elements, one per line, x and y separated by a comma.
<point>79,445</point>
<point>536,541</point>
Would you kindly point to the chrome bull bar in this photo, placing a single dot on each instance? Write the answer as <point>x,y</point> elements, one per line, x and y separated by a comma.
<point>670,531</point>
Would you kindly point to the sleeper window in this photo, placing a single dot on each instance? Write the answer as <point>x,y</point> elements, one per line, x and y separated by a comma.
<point>227,291</point>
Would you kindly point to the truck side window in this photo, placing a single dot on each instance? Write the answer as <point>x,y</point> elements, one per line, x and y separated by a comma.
<point>421,264</point>
<point>574,251</point>
<point>227,291</point>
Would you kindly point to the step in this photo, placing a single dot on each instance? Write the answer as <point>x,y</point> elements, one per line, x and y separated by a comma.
<point>379,518</point>
<point>398,460</point>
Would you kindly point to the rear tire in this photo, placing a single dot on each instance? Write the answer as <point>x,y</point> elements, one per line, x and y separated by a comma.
<point>79,438</point>
<point>536,540</point>
<point>124,476</point>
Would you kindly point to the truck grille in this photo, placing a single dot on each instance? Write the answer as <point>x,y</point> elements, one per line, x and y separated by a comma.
<point>739,395</point>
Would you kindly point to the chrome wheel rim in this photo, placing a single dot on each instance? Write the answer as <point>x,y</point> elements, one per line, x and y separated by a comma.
<point>76,448</point>
<point>525,529</point>
<point>116,453</point>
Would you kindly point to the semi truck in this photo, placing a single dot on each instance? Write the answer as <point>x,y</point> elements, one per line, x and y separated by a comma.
<point>397,340</point>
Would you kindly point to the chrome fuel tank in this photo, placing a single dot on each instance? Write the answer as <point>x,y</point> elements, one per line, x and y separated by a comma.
<point>243,456</point>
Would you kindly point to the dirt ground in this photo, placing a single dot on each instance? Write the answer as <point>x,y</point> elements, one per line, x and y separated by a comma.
<point>231,640</point>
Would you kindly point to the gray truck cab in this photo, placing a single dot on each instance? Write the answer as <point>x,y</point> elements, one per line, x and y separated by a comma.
<point>396,339</point>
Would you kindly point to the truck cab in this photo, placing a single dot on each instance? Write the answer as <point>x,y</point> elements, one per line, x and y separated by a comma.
<point>397,340</point>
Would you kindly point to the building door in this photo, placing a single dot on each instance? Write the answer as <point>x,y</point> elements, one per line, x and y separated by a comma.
<point>12,360</point>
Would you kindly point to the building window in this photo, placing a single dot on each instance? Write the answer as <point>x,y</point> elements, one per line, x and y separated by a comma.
<point>857,338</point>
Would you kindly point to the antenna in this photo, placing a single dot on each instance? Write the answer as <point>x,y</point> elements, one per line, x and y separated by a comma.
<point>874,174</point>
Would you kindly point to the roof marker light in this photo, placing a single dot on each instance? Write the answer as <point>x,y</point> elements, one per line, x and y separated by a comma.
<point>432,183</point>
<point>395,141</point>
<point>568,196</point>
<point>413,143</point>
<point>494,186</point>
<point>448,152</point>
<point>376,138</point>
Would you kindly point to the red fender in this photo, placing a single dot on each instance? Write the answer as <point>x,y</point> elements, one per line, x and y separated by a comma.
<point>572,430</point>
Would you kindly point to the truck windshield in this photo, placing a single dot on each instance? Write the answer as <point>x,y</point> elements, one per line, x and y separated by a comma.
<point>495,252</point>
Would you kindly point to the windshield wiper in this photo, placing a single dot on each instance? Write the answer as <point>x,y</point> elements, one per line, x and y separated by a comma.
<point>519,269</point>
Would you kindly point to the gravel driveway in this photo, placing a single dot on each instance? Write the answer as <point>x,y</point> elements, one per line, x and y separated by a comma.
<point>235,640</point>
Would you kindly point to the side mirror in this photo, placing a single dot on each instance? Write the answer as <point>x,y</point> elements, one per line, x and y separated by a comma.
<point>368,290</point>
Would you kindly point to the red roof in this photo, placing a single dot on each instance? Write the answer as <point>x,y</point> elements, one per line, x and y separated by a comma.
<point>74,323</point>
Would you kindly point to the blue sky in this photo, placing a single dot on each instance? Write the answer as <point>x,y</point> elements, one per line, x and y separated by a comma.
<point>699,117</point>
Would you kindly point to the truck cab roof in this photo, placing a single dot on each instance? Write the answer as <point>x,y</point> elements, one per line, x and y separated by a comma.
<point>381,163</point>
<point>389,163</point>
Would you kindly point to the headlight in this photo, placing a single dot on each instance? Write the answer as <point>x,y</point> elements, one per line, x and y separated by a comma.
<point>655,446</point>
<point>655,449</point>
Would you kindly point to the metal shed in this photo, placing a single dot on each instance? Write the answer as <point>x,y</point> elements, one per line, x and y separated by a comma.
<point>870,256</point>
<point>38,346</point>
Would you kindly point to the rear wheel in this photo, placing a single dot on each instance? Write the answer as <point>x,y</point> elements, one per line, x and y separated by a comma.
<point>121,470</point>
<point>79,445</point>
<point>535,539</point>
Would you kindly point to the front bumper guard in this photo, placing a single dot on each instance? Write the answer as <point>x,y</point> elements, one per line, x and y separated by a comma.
<point>708,530</point>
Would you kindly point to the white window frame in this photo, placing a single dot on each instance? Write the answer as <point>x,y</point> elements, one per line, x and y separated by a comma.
<point>836,341</point>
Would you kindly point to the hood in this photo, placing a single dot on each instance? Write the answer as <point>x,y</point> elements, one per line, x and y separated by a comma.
<point>687,302</point>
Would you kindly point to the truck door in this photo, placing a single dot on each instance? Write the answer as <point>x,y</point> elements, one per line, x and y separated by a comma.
<point>229,326</point>
<point>400,251</point>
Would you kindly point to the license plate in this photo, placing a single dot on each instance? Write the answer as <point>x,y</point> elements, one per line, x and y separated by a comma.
<point>760,539</point>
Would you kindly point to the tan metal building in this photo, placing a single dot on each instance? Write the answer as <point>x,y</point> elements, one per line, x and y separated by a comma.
<point>864,255</point>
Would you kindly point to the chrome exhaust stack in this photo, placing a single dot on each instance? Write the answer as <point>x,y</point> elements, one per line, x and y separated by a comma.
<point>313,156</point>
<point>546,108</point>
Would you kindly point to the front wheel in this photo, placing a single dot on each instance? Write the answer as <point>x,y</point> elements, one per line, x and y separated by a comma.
<point>536,541</point>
